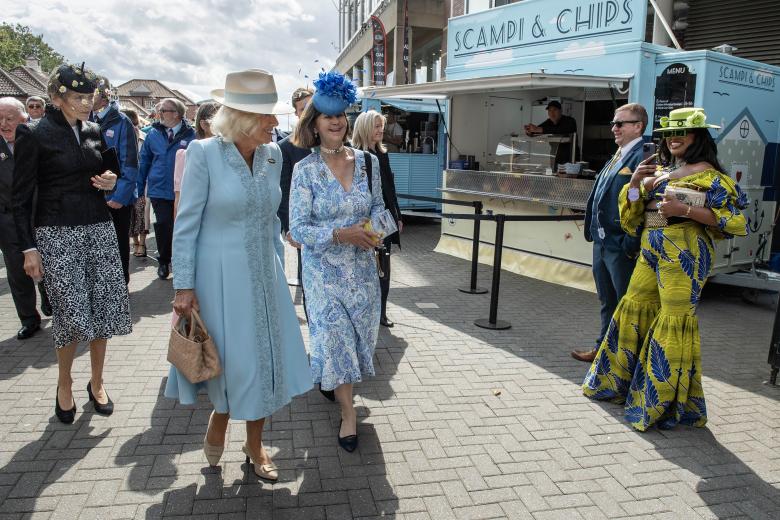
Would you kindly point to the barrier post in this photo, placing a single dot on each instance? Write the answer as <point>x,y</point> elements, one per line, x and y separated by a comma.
<point>493,322</point>
<point>472,288</point>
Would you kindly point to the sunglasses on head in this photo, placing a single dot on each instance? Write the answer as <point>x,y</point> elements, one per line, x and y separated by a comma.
<point>620,124</point>
<point>681,132</point>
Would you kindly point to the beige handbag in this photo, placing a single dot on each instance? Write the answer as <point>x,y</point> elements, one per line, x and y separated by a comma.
<point>193,353</point>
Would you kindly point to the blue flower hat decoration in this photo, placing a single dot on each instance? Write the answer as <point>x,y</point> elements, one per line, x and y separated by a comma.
<point>335,92</point>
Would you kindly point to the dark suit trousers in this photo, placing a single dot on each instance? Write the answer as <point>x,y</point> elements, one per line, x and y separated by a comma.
<point>612,271</point>
<point>22,286</point>
<point>300,280</point>
<point>384,281</point>
<point>121,218</point>
<point>163,228</point>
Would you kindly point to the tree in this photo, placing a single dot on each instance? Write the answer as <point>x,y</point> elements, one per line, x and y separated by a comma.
<point>18,42</point>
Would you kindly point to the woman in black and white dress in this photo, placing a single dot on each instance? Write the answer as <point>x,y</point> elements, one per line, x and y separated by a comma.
<point>73,245</point>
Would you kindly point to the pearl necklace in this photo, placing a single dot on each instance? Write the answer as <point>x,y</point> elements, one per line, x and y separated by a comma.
<point>332,151</point>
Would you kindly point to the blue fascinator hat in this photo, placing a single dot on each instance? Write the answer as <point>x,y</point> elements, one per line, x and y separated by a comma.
<point>335,92</point>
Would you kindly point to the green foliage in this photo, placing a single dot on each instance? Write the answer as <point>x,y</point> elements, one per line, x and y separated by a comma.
<point>17,42</point>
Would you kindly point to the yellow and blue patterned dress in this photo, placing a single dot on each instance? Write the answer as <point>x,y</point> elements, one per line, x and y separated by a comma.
<point>650,358</point>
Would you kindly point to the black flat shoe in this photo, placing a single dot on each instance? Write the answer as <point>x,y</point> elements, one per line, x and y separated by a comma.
<point>27,331</point>
<point>46,309</point>
<point>349,443</point>
<point>102,409</point>
<point>163,271</point>
<point>383,321</point>
<point>65,416</point>
<point>330,395</point>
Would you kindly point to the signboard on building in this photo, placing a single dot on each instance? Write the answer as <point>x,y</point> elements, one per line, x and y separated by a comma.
<point>378,53</point>
<point>674,88</point>
<point>544,26</point>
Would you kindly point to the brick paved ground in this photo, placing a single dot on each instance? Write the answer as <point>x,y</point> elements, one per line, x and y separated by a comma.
<point>435,439</point>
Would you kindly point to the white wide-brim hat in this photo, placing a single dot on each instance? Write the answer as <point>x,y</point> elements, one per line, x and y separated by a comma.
<point>252,90</point>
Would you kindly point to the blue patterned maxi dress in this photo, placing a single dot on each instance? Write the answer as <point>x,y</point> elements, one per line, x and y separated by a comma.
<point>340,281</point>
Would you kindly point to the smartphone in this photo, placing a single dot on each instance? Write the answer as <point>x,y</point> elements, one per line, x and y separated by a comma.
<point>649,150</point>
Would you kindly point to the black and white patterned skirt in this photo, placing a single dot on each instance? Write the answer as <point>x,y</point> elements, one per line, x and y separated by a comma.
<point>84,281</point>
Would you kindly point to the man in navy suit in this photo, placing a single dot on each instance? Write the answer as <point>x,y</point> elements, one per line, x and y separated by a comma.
<point>291,154</point>
<point>614,251</point>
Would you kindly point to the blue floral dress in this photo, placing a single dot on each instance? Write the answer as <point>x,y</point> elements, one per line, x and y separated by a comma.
<point>340,281</point>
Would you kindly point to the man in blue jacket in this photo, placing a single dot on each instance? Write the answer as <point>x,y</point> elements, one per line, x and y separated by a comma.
<point>158,155</point>
<point>119,134</point>
<point>614,251</point>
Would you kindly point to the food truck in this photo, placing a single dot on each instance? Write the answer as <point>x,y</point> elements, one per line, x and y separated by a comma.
<point>505,65</point>
<point>418,164</point>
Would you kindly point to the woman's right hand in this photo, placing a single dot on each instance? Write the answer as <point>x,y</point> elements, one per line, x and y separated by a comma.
<point>184,302</point>
<point>33,265</point>
<point>645,169</point>
<point>357,235</point>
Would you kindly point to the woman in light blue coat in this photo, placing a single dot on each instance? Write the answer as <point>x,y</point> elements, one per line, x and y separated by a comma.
<point>228,264</point>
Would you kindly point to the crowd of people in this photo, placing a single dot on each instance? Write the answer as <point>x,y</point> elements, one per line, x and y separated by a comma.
<point>229,189</point>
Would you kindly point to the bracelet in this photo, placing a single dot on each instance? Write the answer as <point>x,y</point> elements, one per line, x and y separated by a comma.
<point>688,212</point>
<point>336,239</point>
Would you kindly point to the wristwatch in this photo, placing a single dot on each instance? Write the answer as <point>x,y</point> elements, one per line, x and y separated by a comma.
<point>633,194</point>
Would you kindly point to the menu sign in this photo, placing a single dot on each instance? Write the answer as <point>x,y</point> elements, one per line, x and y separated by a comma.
<point>674,88</point>
<point>378,53</point>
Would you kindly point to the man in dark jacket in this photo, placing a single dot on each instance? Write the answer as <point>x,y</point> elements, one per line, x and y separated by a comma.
<point>291,154</point>
<point>119,134</point>
<point>158,156</point>
<point>614,251</point>
<point>12,114</point>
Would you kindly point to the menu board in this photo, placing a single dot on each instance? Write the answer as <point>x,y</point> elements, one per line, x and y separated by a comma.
<point>674,88</point>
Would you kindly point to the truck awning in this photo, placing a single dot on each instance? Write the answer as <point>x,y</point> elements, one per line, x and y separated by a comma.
<point>532,80</point>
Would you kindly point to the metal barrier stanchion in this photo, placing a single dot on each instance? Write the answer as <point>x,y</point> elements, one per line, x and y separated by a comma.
<point>493,322</point>
<point>472,288</point>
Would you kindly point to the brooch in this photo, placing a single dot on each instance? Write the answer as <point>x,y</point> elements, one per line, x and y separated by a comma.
<point>272,160</point>
<point>3,156</point>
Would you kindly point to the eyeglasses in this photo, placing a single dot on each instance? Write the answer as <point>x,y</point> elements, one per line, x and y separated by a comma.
<point>681,132</point>
<point>620,124</point>
<point>31,105</point>
<point>166,111</point>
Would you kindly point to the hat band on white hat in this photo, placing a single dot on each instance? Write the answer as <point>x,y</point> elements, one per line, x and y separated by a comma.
<point>251,99</point>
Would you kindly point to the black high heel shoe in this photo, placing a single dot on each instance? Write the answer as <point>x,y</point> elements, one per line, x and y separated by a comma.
<point>65,416</point>
<point>350,442</point>
<point>102,409</point>
<point>330,395</point>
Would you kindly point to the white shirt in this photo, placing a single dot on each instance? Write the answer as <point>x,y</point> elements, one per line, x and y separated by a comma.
<point>627,148</point>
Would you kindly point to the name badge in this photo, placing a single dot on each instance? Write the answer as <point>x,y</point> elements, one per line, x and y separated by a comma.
<point>110,132</point>
<point>602,234</point>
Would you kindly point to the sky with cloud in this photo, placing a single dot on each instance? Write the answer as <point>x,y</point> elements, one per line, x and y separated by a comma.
<point>188,44</point>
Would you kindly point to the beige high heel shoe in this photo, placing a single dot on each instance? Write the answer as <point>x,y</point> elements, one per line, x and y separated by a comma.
<point>266,471</point>
<point>213,453</point>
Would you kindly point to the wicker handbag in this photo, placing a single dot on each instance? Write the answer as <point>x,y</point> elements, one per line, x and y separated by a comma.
<point>193,353</point>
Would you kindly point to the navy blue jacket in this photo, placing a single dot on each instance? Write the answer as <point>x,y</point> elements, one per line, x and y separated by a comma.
<point>119,133</point>
<point>606,205</point>
<point>291,154</point>
<point>158,157</point>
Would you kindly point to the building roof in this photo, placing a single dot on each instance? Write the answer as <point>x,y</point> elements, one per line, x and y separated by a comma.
<point>11,85</point>
<point>185,99</point>
<point>32,87</point>
<point>129,103</point>
<point>31,75</point>
<point>145,88</point>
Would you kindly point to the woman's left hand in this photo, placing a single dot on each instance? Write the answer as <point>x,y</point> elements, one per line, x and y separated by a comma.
<point>105,181</point>
<point>671,207</point>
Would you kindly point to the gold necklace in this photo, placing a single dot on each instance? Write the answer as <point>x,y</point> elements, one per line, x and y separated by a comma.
<point>332,151</point>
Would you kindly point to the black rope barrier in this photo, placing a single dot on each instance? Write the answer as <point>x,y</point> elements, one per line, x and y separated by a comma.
<point>491,322</point>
